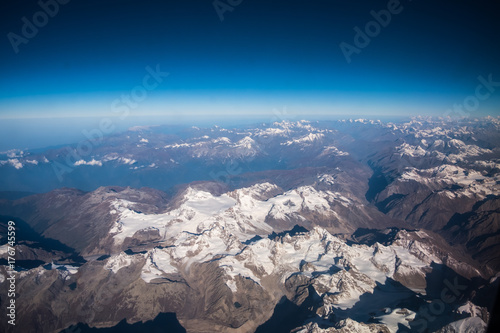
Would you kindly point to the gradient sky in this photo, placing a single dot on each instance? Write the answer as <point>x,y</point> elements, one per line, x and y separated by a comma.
<point>264,55</point>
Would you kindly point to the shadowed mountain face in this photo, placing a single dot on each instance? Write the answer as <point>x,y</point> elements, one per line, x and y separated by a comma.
<point>357,226</point>
<point>478,230</point>
<point>163,323</point>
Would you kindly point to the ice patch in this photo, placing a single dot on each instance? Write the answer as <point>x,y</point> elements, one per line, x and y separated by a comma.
<point>396,317</point>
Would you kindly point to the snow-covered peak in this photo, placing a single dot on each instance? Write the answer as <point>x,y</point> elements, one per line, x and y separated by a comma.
<point>247,142</point>
<point>306,139</point>
<point>333,151</point>
<point>117,262</point>
<point>222,140</point>
<point>472,182</point>
<point>259,191</point>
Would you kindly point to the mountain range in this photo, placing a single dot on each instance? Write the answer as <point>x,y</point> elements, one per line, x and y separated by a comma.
<point>293,226</point>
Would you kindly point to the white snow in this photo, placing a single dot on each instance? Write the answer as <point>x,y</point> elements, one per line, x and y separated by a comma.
<point>327,179</point>
<point>271,132</point>
<point>70,269</point>
<point>247,143</point>
<point>309,138</point>
<point>467,325</point>
<point>222,140</point>
<point>4,249</point>
<point>321,251</point>
<point>158,264</point>
<point>242,211</point>
<point>470,308</point>
<point>126,160</point>
<point>205,227</point>
<point>232,285</point>
<point>472,181</point>
<point>332,150</point>
<point>93,162</point>
<point>178,145</point>
<point>409,150</point>
<point>15,163</point>
<point>115,263</point>
<point>393,319</point>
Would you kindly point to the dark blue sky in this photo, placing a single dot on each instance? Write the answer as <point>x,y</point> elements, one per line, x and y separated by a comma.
<point>264,55</point>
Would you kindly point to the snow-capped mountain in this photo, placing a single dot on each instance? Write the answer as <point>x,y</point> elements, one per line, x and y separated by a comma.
<point>227,237</point>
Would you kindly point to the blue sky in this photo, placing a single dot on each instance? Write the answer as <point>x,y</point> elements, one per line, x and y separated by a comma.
<point>264,55</point>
